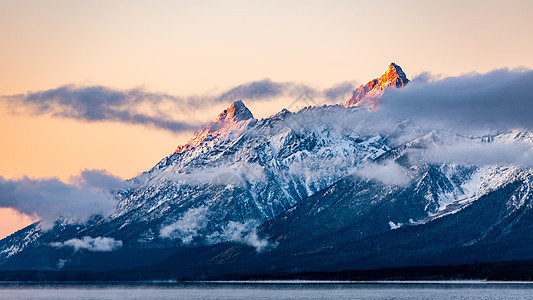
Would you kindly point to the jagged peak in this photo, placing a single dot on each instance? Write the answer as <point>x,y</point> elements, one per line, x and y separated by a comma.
<point>394,73</point>
<point>235,113</point>
<point>370,93</point>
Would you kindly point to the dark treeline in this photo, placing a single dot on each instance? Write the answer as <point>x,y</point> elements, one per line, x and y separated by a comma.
<point>498,271</point>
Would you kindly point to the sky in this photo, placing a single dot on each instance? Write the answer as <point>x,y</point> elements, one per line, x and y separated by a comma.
<point>169,66</point>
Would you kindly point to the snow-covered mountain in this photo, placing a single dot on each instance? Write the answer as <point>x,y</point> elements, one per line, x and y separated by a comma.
<point>295,185</point>
<point>232,175</point>
<point>445,214</point>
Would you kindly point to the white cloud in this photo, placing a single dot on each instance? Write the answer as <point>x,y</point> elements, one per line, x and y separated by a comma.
<point>98,244</point>
<point>191,223</point>
<point>389,173</point>
<point>244,233</point>
<point>188,226</point>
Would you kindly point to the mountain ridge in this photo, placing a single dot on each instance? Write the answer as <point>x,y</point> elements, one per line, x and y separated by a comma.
<point>298,191</point>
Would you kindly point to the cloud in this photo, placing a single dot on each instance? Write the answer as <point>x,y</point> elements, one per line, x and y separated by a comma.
<point>426,77</point>
<point>478,153</point>
<point>191,223</point>
<point>262,89</point>
<point>188,226</point>
<point>97,244</point>
<point>498,100</point>
<point>340,92</point>
<point>390,173</point>
<point>100,179</point>
<point>98,103</point>
<point>48,199</point>
<point>152,109</point>
<point>244,233</point>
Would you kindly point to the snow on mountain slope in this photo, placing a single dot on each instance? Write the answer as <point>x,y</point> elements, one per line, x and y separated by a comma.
<point>276,161</point>
<point>340,220</point>
<point>464,180</point>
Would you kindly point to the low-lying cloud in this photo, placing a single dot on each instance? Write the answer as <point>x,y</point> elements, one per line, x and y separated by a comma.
<point>97,244</point>
<point>389,173</point>
<point>188,226</point>
<point>244,233</point>
<point>472,103</point>
<point>515,153</point>
<point>193,224</point>
<point>49,199</point>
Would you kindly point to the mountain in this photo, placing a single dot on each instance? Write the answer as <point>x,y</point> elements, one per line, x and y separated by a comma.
<point>234,174</point>
<point>447,214</point>
<point>300,191</point>
<point>369,94</point>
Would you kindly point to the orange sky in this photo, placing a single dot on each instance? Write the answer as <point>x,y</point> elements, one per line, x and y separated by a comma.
<point>205,47</point>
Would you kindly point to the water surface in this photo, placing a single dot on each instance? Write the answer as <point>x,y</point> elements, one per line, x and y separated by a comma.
<point>270,290</point>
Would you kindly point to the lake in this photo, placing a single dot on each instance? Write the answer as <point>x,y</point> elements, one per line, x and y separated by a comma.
<point>271,290</point>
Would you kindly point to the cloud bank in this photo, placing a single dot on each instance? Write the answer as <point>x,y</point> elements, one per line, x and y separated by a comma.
<point>496,101</point>
<point>499,99</point>
<point>49,199</point>
<point>515,153</point>
<point>98,103</point>
<point>97,244</point>
<point>152,109</point>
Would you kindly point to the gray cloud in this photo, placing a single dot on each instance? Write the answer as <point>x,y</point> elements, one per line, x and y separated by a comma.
<point>498,100</point>
<point>339,92</point>
<point>100,179</point>
<point>426,77</point>
<point>98,103</point>
<point>97,244</point>
<point>470,105</point>
<point>262,89</point>
<point>142,107</point>
<point>48,199</point>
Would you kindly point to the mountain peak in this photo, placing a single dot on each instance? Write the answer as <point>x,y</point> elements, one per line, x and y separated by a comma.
<point>235,113</point>
<point>394,74</point>
<point>370,93</point>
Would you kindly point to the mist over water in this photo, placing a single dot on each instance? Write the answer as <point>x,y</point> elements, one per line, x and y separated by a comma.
<point>271,290</point>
